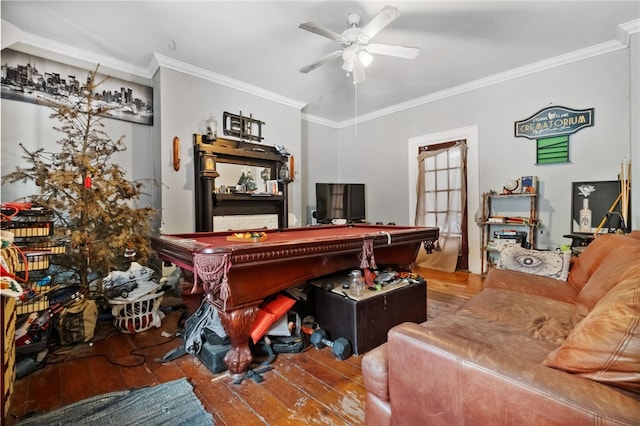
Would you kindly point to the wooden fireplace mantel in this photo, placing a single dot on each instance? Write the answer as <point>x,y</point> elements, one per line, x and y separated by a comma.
<point>208,203</point>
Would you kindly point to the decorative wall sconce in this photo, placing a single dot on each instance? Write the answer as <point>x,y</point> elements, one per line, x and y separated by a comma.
<point>176,153</point>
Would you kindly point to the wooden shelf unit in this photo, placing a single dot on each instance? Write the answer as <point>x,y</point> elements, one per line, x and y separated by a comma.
<point>491,222</point>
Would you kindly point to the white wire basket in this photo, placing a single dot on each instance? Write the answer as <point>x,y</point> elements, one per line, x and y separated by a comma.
<point>139,315</point>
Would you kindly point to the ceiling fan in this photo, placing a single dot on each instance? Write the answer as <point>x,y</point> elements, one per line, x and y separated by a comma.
<point>356,50</point>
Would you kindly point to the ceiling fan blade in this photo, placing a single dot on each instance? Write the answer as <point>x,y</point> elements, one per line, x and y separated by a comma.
<point>358,72</point>
<point>406,52</point>
<point>324,32</point>
<point>326,58</point>
<point>381,20</point>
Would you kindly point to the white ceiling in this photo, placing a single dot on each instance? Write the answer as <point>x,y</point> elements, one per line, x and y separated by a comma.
<point>259,43</point>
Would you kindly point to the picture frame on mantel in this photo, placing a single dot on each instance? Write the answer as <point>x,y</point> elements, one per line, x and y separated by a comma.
<point>36,80</point>
<point>601,195</point>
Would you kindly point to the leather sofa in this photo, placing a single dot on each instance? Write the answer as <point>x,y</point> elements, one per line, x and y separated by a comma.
<point>526,350</point>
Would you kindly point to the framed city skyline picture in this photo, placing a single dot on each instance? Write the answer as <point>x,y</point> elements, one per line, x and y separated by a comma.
<point>32,79</point>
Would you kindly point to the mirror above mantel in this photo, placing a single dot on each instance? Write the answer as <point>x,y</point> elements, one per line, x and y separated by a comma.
<point>230,176</point>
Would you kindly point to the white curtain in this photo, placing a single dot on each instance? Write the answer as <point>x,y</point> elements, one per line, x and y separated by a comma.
<point>441,199</point>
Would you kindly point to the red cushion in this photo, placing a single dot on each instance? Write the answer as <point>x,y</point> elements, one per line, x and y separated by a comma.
<point>268,314</point>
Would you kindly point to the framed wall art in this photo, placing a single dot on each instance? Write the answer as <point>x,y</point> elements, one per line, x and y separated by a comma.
<point>32,79</point>
<point>602,197</point>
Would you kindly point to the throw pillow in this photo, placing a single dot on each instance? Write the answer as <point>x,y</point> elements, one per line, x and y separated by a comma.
<point>621,262</point>
<point>605,345</point>
<point>585,265</point>
<point>544,263</point>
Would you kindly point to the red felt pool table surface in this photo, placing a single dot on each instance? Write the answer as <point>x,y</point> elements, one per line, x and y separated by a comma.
<point>312,234</point>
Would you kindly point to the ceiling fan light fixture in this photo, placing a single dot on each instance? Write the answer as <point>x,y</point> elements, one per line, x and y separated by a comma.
<point>365,58</point>
<point>348,56</point>
<point>357,53</point>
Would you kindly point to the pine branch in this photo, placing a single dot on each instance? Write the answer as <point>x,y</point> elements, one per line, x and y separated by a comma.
<point>93,202</point>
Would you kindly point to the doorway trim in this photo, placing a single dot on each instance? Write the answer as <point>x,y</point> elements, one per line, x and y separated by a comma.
<point>470,133</point>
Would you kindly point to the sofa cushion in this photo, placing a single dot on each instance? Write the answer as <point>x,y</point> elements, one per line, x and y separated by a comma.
<point>530,284</point>
<point>584,266</point>
<point>619,263</point>
<point>492,336</point>
<point>544,263</point>
<point>513,313</point>
<point>605,346</point>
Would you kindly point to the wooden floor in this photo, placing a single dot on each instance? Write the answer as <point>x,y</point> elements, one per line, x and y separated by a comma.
<point>308,388</point>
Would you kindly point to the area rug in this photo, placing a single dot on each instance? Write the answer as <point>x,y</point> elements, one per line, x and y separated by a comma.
<point>171,403</point>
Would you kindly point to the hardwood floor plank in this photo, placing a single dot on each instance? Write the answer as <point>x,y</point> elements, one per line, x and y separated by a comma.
<point>329,374</point>
<point>337,396</point>
<point>301,408</point>
<point>43,401</point>
<point>228,407</point>
<point>20,396</point>
<point>153,345</point>
<point>457,283</point>
<point>348,368</point>
<point>77,383</point>
<point>266,405</point>
<point>132,376</point>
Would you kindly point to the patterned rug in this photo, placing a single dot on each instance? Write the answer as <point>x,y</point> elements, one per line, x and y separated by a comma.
<point>171,403</point>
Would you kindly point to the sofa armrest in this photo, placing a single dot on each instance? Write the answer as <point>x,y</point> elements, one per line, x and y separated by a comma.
<point>375,372</point>
<point>439,378</point>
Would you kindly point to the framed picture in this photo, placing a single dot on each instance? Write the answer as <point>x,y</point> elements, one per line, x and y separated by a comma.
<point>602,197</point>
<point>32,79</point>
<point>529,184</point>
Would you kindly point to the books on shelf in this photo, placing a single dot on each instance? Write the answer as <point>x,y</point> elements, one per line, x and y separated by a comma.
<point>514,220</point>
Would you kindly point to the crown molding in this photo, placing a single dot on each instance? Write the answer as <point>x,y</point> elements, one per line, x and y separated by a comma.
<point>320,120</point>
<point>624,31</point>
<point>54,51</point>
<point>622,40</point>
<point>158,61</point>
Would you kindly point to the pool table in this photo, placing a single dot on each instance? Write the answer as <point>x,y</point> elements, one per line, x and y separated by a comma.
<point>238,275</point>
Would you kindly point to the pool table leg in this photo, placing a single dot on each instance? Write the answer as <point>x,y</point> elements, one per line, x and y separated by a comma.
<point>237,324</point>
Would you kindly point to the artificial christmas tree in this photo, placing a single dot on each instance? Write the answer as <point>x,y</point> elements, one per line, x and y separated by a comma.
<point>93,203</point>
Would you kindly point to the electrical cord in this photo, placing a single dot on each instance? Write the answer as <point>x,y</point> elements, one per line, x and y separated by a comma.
<point>132,352</point>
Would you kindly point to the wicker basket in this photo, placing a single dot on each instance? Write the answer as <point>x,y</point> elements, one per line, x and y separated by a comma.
<point>139,315</point>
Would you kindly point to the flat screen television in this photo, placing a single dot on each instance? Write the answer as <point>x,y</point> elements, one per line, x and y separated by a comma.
<point>340,201</point>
